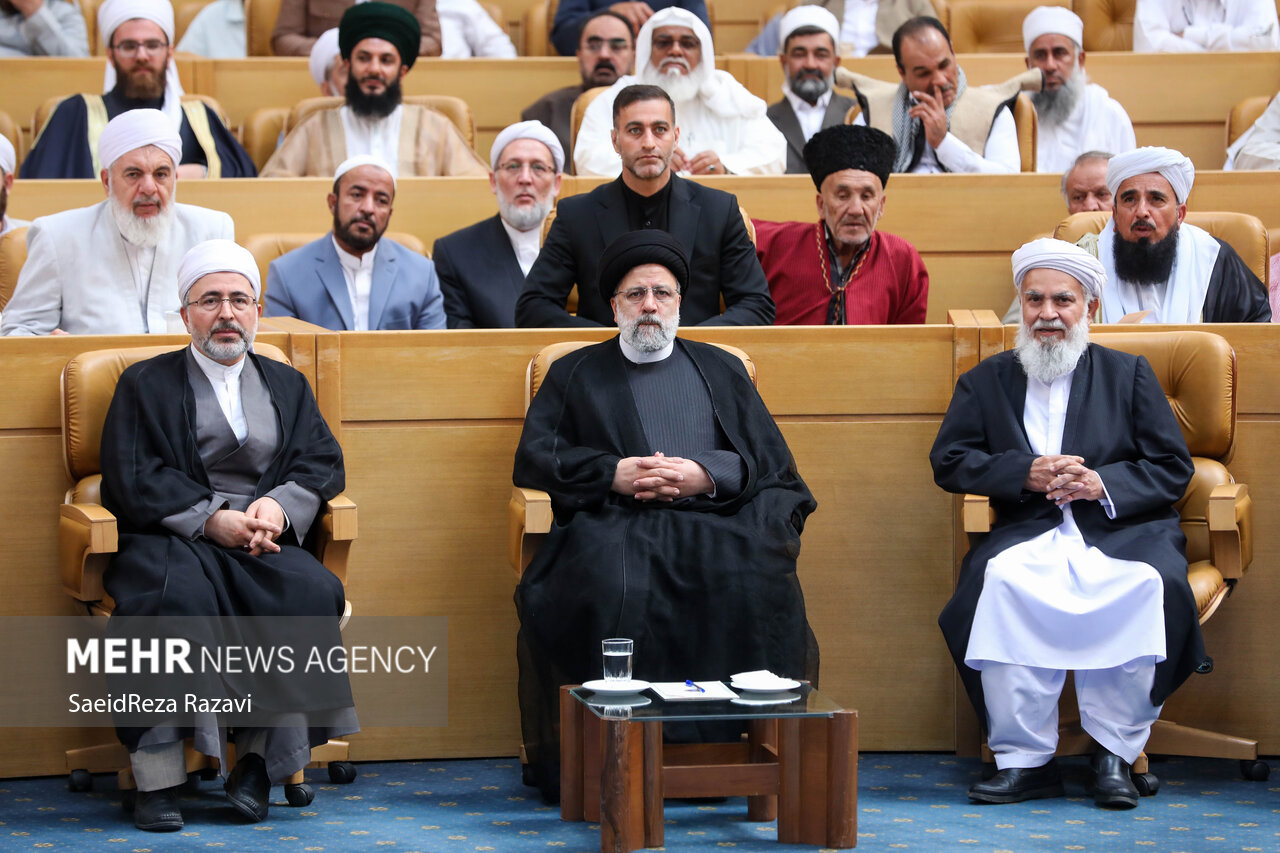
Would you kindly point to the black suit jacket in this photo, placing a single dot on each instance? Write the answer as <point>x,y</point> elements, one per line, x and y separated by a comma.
<point>709,224</point>
<point>784,118</point>
<point>479,276</point>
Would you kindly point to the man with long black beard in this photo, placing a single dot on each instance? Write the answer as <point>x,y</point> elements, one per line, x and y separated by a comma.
<point>1085,566</point>
<point>378,43</point>
<point>1157,263</point>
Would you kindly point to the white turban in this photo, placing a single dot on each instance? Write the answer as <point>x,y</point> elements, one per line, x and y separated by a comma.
<point>534,130</point>
<point>216,256</point>
<point>1052,20</point>
<point>136,129</point>
<point>364,160</point>
<point>8,158</point>
<point>1173,166</point>
<point>808,16</point>
<point>323,53</point>
<point>1048,253</point>
<point>112,14</point>
<point>675,17</point>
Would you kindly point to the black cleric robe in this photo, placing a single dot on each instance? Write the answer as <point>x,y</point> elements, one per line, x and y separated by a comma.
<point>62,150</point>
<point>154,469</point>
<point>705,586</point>
<point>1120,423</point>
<point>1235,294</point>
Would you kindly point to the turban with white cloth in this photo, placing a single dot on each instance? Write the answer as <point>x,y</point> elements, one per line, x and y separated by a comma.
<point>323,53</point>
<point>1049,253</point>
<point>1174,166</point>
<point>216,256</point>
<point>112,14</point>
<point>534,130</point>
<point>137,129</point>
<point>1052,20</point>
<point>808,16</point>
<point>8,157</point>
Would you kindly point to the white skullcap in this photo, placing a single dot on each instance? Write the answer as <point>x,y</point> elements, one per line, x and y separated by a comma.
<point>323,52</point>
<point>534,130</point>
<point>364,160</point>
<point>113,13</point>
<point>808,16</point>
<point>216,256</point>
<point>1048,253</point>
<point>1052,20</point>
<point>136,129</point>
<point>1173,166</point>
<point>8,157</point>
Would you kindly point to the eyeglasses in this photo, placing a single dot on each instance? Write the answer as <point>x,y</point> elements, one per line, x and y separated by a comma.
<point>239,302</point>
<point>636,295</point>
<point>515,167</point>
<point>595,44</point>
<point>686,42</point>
<point>131,47</point>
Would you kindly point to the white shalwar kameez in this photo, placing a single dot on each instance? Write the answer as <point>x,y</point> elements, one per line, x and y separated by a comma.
<point>1098,123</point>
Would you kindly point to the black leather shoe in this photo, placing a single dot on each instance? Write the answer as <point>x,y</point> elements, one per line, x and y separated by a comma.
<point>1112,785</point>
<point>1015,784</point>
<point>157,811</point>
<point>248,787</point>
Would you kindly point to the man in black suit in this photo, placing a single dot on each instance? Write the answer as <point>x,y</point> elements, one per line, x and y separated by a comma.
<point>482,267</point>
<point>809,59</point>
<point>646,195</point>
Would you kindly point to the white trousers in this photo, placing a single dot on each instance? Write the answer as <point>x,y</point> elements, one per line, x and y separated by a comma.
<point>1022,709</point>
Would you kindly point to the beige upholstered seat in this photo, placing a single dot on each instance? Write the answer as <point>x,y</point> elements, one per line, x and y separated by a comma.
<point>991,26</point>
<point>1108,24</point>
<point>454,109</point>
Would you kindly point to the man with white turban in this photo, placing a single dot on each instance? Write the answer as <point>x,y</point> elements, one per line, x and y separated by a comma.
<point>1084,568</point>
<point>723,127</point>
<point>7,160</point>
<point>1159,264</point>
<point>109,269</point>
<point>482,267</point>
<point>138,37</point>
<point>215,463</point>
<point>351,278</point>
<point>1174,26</point>
<point>326,65</point>
<point>1074,115</point>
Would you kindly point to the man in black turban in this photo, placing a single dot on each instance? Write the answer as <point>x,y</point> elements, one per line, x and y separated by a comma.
<point>841,270</point>
<point>678,508</point>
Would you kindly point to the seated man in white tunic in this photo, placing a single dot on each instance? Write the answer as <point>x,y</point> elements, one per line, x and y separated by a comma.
<point>1085,567</point>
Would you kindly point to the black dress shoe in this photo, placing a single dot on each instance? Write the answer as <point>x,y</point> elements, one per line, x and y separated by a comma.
<point>1112,785</point>
<point>248,787</point>
<point>1015,784</point>
<point>157,811</point>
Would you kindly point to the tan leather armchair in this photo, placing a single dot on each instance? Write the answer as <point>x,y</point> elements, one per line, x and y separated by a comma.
<point>576,114</point>
<point>1244,114</point>
<point>1027,124</point>
<point>87,538</point>
<point>13,254</point>
<point>537,28</point>
<point>267,247</point>
<point>14,134</point>
<point>183,15</point>
<point>259,23</point>
<point>1108,24</point>
<point>454,109</point>
<point>261,131</point>
<point>991,26</point>
<point>1198,373</point>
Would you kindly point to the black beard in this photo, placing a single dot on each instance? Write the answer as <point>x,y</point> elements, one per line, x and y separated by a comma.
<point>372,106</point>
<point>809,88</point>
<point>1144,261</point>
<point>352,240</point>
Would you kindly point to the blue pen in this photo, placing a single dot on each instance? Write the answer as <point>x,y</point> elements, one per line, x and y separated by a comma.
<point>697,687</point>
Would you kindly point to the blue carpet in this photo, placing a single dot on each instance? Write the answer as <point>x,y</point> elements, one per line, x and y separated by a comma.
<point>905,802</point>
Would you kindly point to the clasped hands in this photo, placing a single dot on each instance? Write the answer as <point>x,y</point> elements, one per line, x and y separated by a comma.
<point>702,163</point>
<point>1063,479</point>
<point>660,478</point>
<point>254,530</point>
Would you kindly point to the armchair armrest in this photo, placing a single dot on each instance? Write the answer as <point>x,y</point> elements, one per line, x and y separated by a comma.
<point>1230,519</point>
<point>529,519</point>
<point>978,515</point>
<point>86,538</point>
<point>338,529</point>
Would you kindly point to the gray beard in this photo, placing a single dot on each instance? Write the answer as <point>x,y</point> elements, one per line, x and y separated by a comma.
<point>223,352</point>
<point>810,89</point>
<point>681,87</point>
<point>1047,361</point>
<point>146,233</point>
<point>1054,108</point>
<point>649,336</point>
<point>524,218</point>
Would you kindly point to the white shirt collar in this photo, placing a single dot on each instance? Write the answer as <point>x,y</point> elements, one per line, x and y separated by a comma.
<point>635,356</point>
<point>350,261</point>
<point>526,244</point>
<point>216,371</point>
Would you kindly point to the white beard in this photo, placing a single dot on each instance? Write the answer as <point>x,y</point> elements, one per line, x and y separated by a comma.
<point>146,233</point>
<point>681,87</point>
<point>1047,360</point>
<point>1054,108</point>
<point>651,335</point>
<point>524,218</point>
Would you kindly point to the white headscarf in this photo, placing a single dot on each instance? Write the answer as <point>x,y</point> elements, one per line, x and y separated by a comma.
<point>534,130</point>
<point>364,160</point>
<point>1048,253</point>
<point>808,16</point>
<point>8,157</point>
<point>1052,20</point>
<point>323,53</point>
<point>112,14</point>
<point>1173,166</point>
<point>720,98</point>
<point>137,129</point>
<point>216,256</point>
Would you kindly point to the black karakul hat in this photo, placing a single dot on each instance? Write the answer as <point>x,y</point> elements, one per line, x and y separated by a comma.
<point>850,146</point>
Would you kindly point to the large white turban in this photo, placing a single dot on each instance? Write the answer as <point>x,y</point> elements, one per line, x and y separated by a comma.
<point>323,53</point>
<point>808,16</point>
<point>676,17</point>
<point>216,256</point>
<point>112,14</point>
<point>364,160</point>
<point>1173,166</point>
<point>8,158</point>
<point>534,130</point>
<point>137,129</point>
<point>1048,253</point>
<point>1052,20</point>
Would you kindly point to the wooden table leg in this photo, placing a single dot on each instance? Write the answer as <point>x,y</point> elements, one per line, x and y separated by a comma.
<point>842,779</point>
<point>762,736</point>
<point>571,711</point>
<point>654,828</point>
<point>622,788</point>
<point>818,775</point>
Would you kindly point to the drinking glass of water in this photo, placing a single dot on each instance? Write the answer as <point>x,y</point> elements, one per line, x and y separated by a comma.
<point>617,659</point>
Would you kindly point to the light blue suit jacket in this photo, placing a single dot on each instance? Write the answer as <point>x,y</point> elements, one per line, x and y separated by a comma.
<point>307,283</point>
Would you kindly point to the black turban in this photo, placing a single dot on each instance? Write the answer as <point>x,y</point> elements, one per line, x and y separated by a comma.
<point>647,246</point>
<point>850,146</point>
<point>386,21</point>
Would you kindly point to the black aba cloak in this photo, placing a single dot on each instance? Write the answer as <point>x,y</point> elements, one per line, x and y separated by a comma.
<point>151,469</point>
<point>706,587</point>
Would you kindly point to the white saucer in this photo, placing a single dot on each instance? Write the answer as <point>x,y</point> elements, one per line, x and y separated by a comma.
<point>616,688</point>
<point>609,703</point>
<point>777,685</point>
<point>766,699</point>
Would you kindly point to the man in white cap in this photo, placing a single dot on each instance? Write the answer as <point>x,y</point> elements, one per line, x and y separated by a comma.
<point>866,26</point>
<point>1158,264</point>
<point>723,127</point>
<point>326,65</point>
<point>7,160</point>
<point>215,463</point>
<point>1173,26</point>
<point>809,59</point>
<point>1084,568</point>
<point>138,36</point>
<point>109,269</point>
<point>1075,115</point>
<point>482,267</point>
<point>351,278</point>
